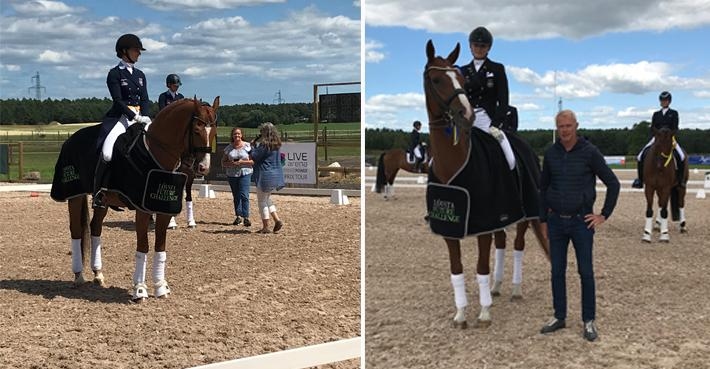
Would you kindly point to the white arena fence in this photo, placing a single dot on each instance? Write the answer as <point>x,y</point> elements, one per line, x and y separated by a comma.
<point>298,358</point>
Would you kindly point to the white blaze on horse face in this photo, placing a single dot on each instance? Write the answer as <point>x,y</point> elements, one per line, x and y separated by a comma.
<point>468,114</point>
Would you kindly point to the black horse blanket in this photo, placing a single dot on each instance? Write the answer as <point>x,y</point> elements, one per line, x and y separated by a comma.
<point>485,196</point>
<point>134,173</point>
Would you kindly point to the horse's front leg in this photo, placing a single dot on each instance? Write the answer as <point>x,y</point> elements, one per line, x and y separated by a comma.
<point>159,282</point>
<point>663,198</point>
<point>518,252</point>
<point>458,282</point>
<point>648,227</point>
<point>140,290</point>
<point>483,279</point>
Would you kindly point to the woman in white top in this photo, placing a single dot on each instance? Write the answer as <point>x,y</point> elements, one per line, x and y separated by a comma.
<point>238,168</point>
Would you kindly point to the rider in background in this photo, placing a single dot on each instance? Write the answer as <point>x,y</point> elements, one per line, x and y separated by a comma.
<point>487,88</point>
<point>664,118</point>
<point>416,147</point>
<point>128,88</point>
<point>172,81</point>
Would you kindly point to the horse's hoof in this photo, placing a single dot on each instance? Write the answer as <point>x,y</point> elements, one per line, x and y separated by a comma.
<point>192,224</point>
<point>100,280</point>
<point>683,230</point>
<point>79,280</point>
<point>516,298</point>
<point>495,293</point>
<point>664,241</point>
<point>139,300</point>
<point>482,323</point>
<point>460,325</point>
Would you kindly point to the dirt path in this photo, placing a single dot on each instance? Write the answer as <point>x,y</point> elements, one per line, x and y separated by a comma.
<point>235,293</point>
<point>652,300</point>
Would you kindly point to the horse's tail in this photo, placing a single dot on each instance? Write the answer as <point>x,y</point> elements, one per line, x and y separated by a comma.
<point>85,229</point>
<point>381,178</point>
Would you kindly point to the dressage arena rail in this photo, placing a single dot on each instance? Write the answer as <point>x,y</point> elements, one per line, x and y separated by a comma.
<point>302,357</point>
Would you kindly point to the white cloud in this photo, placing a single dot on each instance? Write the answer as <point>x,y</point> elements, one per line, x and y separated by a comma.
<point>396,111</point>
<point>703,94</point>
<point>372,51</point>
<point>49,56</point>
<point>10,67</point>
<point>593,80</point>
<point>197,5</point>
<point>529,107</point>
<point>40,8</point>
<point>522,20</point>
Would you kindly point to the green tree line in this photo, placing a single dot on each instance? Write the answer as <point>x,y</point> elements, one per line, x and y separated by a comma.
<point>623,141</point>
<point>36,112</point>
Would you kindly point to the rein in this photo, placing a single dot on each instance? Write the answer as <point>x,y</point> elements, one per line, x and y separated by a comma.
<point>192,149</point>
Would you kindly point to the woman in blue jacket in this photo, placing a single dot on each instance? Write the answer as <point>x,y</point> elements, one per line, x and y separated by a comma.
<point>268,174</point>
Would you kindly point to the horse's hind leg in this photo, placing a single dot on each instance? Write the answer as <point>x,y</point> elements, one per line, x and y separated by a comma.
<point>681,208</point>
<point>663,204</point>
<point>483,279</point>
<point>78,229</point>
<point>499,265</point>
<point>97,222</point>
<point>458,282</point>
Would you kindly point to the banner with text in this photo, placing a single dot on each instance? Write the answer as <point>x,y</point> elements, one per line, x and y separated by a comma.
<point>299,162</point>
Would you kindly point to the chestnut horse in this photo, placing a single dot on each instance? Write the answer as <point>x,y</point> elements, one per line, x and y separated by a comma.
<point>659,171</point>
<point>185,127</point>
<point>389,163</point>
<point>450,129</point>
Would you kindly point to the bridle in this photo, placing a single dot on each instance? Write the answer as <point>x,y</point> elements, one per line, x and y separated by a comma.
<point>443,104</point>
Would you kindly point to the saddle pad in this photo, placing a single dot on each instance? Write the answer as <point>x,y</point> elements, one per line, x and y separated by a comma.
<point>448,208</point>
<point>163,191</point>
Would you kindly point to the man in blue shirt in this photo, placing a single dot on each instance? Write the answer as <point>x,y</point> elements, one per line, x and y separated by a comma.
<point>567,193</point>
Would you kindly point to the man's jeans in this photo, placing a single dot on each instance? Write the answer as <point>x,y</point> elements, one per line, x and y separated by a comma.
<point>562,229</point>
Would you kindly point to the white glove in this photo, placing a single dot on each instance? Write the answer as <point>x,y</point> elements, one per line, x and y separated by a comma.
<point>142,119</point>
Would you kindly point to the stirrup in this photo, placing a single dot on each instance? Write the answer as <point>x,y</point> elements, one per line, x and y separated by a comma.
<point>97,200</point>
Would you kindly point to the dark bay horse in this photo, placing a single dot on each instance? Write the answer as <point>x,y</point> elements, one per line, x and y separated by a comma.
<point>184,127</point>
<point>451,136</point>
<point>659,171</point>
<point>389,163</point>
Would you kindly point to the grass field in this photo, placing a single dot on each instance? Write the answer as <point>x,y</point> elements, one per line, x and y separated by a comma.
<point>41,144</point>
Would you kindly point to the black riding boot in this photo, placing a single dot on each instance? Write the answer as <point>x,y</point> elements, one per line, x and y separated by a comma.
<point>101,180</point>
<point>679,173</point>
<point>418,165</point>
<point>638,182</point>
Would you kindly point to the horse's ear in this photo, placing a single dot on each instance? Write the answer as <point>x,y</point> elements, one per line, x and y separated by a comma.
<point>430,50</point>
<point>215,103</point>
<point>196,103</point>
<point>454,54</point>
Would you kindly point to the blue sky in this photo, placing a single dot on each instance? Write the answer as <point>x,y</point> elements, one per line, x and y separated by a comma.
<point>611,59</point>
<point>246,51</point>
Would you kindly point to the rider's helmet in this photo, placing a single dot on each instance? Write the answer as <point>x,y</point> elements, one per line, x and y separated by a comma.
<point>173,79</point>
<point>665,95</point>
<point>480,35</point>
<point>417,124</point>
<point>126,42</point>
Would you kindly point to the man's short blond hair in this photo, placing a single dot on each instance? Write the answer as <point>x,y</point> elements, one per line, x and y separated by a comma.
<point>565,113</point>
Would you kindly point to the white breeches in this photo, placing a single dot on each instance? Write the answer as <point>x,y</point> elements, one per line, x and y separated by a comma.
<point>418,152</point>
<point>266,206</point>
<point>483,122</point>
<point>652,140</point>
<point>117,130</point>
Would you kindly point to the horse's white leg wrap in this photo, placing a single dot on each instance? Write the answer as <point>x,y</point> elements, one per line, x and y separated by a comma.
<point>498,272</point>
<point>518,266</point>
<point>173,223</point>
<point>484,318</point>
<point>664,230</point>
<point>484,290</point>
<point>76,264</point>
<point>682,215</point>
<point>159,266</point>
<point>648,229</point>
<point>190,213</point>
<point>459,284</point>
<point>96,253</point>
<point>139,274</point>
<point>160,284</point>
